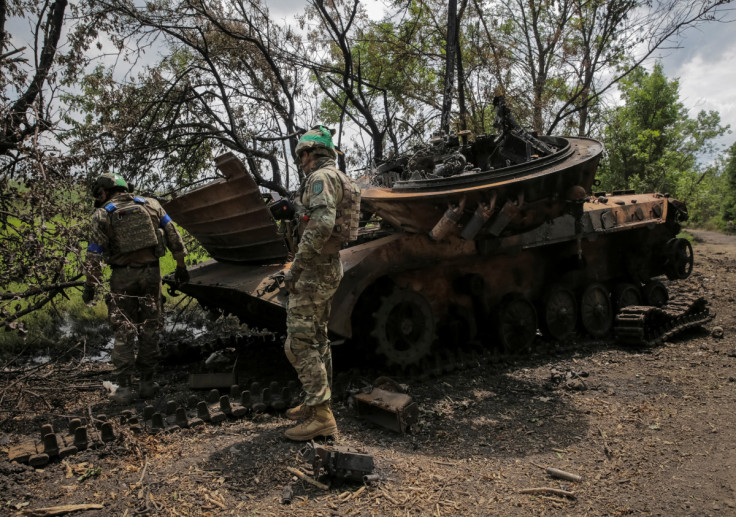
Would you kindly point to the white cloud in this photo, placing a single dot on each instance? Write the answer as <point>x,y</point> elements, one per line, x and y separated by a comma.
<point>705,64</point>
<point>707,83</point>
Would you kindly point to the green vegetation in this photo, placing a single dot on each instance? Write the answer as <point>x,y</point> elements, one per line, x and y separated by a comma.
<point>41,329</point>
<point>230,77</point>
<point>653,145</point>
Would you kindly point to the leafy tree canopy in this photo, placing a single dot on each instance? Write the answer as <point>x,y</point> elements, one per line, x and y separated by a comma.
<point>652,143</point>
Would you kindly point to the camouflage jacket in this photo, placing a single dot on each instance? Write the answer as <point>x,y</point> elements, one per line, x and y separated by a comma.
<point>317,199</point>
<point>102,240</point>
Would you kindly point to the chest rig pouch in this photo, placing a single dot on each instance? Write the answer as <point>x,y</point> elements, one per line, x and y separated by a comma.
<point>347,217</point>
<point>131,225</point>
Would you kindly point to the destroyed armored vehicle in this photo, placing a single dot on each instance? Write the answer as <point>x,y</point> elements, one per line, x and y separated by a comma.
<point>484,242</point>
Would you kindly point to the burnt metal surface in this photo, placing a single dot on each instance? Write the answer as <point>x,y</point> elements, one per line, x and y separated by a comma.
<point>394,411</point>
<point>341,463</point>
<point>245,290</point>
<point>539,188</point>
<point>519,263</point>
<point>452,250</point>
<point>537,174</point>
<point>229,217</point>
<point>650,326</point>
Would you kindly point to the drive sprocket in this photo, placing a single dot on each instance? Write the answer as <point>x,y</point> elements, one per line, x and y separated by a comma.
<point>404,327</point>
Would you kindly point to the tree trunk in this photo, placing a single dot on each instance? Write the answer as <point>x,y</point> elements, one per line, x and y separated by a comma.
<point>449,64</point>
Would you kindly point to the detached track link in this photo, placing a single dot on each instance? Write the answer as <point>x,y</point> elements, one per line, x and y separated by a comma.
<point>651,326</point>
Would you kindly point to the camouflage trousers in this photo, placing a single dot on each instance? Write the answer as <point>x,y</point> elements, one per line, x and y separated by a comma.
<point>134,309</point>
<point>307,346</point>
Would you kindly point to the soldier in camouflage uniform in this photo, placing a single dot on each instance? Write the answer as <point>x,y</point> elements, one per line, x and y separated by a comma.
<point>328,207</point>
<point>130,233</point>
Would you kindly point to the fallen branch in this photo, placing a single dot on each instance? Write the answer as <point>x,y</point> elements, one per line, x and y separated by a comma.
<point>547,490</point>
<point>301,475</point>
<point>61,510</point>
<point>143,474</point>
<point>557,473</point>
<point>44,289</point>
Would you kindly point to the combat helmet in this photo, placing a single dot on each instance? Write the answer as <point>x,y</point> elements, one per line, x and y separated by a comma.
<point>317,139</point>
<point>109,181</point>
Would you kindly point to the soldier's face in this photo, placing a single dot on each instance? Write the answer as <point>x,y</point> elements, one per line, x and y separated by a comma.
<point>100,197</point>
<point>307,160</point>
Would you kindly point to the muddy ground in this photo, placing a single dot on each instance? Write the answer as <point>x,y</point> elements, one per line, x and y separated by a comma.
<point>650,431</point>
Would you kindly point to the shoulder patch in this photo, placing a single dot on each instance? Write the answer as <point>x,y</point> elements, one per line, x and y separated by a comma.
<point>317,187</point>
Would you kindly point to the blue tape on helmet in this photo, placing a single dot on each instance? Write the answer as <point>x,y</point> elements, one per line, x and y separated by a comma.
<point>110,207</point>
<point>164,221</point>
<point>94,248</point>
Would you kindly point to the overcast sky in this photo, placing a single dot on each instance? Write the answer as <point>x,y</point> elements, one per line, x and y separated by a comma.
<point>706,67</point>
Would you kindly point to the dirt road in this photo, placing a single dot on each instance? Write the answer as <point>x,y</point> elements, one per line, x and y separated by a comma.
<point>650,431</point>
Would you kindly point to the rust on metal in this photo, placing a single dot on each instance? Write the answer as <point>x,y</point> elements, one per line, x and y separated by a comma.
<point>229,217</point>
<point>490,241</point>
<point>394,411</point>
<point>419,207</point>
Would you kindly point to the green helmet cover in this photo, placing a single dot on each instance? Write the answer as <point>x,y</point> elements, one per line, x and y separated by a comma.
<point>318,136</point>
<point>109,181</point>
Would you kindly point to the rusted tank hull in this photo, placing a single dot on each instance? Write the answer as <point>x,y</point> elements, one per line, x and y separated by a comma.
<point>618,242</point>
<point>560,264</point>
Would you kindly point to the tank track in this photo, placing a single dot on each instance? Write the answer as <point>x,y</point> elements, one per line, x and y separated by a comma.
<point>651,326</point>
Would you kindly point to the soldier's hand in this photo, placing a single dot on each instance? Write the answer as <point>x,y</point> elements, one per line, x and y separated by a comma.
<point>88,293</point>
<point>291,277</point>
<point>181,275</point>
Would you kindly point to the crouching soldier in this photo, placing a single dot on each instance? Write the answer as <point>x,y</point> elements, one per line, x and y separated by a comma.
<point>130,233</point>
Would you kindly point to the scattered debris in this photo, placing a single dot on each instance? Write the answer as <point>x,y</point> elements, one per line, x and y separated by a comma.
<point>387,405</point>
<point>301,475</point>
<point>573,380</point>
<point>557,473</point>
<point>370,478</point>
<point>547,490</point>
<point>287,494</point>
<point>340,463</point>
<point>717,332</point>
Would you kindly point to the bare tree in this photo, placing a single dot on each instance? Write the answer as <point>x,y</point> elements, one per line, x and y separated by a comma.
<point>340,76</point>
<point>230,81</point>
<point>612,38</point>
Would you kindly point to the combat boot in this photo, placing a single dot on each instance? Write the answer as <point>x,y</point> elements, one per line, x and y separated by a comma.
<point>298,413</point>
<point>321,422</point>
<point>147,387</point>
<point>123,395</point>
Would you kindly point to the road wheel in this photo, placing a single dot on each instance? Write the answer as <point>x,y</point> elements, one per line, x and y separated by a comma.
<point>655,293</point>
<point>404,327</point>
<point>517,323</point>
<point>679,259</point>
<point>559,312</point>
<point>596,312</point>
<point>625,295</point>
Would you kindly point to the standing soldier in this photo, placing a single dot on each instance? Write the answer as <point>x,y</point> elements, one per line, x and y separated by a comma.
<point>131,233</point>
<point>328,209</point>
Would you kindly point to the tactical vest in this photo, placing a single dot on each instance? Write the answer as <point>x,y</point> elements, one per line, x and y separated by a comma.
<point>347,217</point>
<point>131,225</point>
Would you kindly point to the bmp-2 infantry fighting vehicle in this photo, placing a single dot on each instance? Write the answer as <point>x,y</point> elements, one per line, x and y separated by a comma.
<point>479,242</point>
